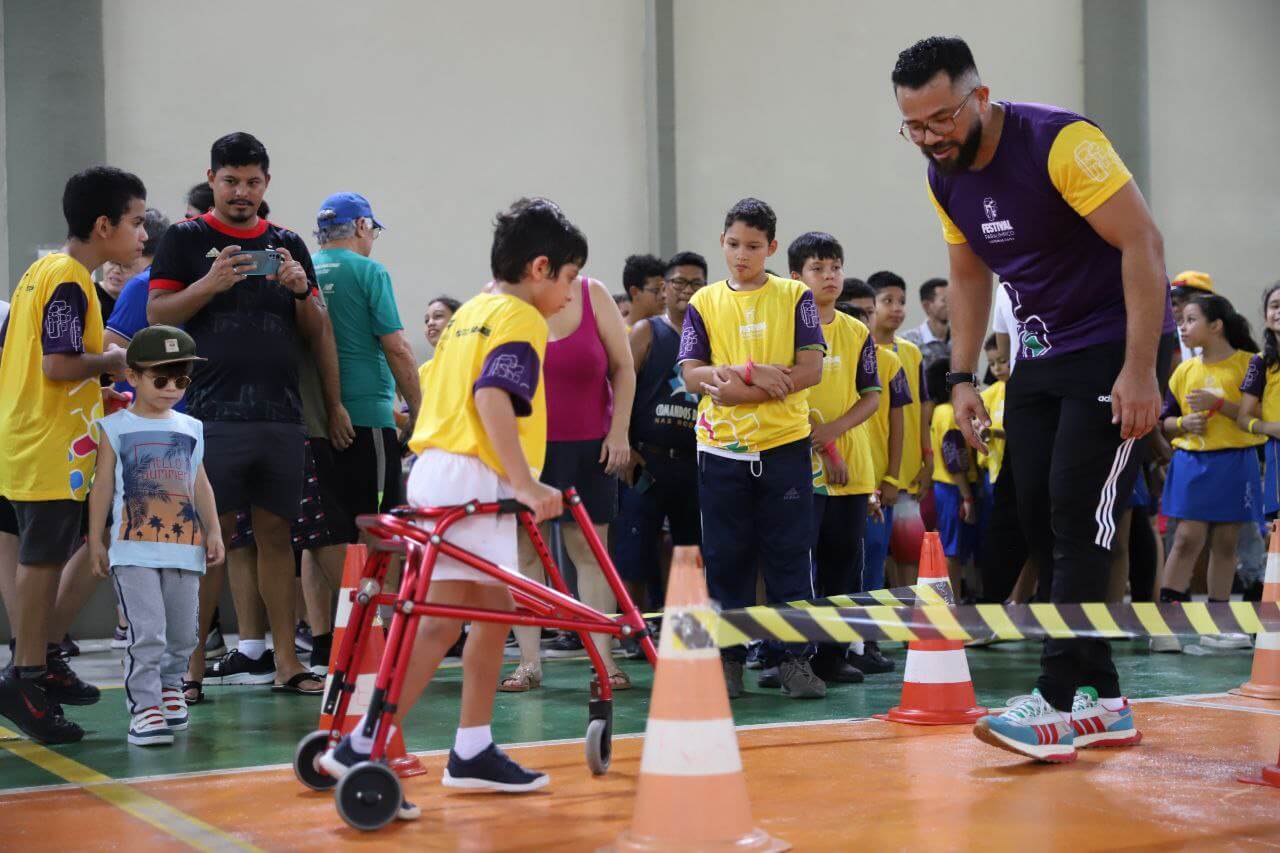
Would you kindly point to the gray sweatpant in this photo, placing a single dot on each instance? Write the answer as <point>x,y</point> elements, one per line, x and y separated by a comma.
<point>161,607</point>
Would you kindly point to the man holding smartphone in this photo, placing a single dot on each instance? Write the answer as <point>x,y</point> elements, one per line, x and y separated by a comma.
<point>247,393</point>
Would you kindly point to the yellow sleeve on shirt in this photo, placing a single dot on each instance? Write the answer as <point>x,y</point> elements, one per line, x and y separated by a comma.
<point>1085,168</point>
<point>950,232</point>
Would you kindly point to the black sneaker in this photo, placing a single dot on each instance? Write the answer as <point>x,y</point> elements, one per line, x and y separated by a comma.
<point>68,646</point>
<point>799,681</point>
<point>62,685</point>
<point>732,677</point>
<point>27,707</point>
<point>832,668</point>
<point>872,661</point>
<point>321,647</point>
<point>302,639</point>
<point>770,678</point>
<point>214,646</point>
<point>491,770</point>
<point>235,668</point>
<point>755,655</point>
<point>568,644</point>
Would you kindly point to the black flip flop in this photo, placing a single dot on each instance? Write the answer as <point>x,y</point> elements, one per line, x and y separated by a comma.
<point>294,685</point>
<point>198,687</point>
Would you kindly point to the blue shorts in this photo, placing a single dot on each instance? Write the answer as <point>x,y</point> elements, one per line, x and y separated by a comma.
<point>959,540</point>
<point>875,550</point>
<point>1214,485</point>
<point>1271,479</point>
<point>1141,497</point>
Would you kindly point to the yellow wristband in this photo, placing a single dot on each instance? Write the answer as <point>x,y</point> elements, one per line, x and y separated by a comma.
<point>893,481</point>
<point>1249,428</point>
<point>1178,422</point>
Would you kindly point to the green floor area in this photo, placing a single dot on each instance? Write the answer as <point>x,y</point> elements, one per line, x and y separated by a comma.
<point>250,726</point>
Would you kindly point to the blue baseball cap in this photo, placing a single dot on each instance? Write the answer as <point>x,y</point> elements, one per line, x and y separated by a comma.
<point>340,208</point>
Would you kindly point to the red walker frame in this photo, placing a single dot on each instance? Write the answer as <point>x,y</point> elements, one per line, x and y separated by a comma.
<point>537,605</point>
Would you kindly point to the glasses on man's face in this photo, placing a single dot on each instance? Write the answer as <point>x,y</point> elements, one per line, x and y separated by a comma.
<point>179,382</point>
<point>652,291</point>
<point>376,229</point>
<point>681,283</point>
<point>914,131</point>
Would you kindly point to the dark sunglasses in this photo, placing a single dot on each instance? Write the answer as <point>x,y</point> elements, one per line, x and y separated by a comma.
<point>179,382</point>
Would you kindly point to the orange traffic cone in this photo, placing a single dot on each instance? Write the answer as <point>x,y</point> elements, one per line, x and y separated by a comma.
<point>367,672</point>
<point>692,794</point>
<point>1264,683</point>
<point>936,687</point>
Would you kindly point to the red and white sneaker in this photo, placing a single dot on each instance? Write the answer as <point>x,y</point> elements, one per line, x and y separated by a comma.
<point>1032,727</point>
<point>173,704</point>
<point>1096,726</point>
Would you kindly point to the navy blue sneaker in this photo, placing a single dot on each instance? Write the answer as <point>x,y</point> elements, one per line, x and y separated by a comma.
<point>491,770</point>
<point>337,761</point>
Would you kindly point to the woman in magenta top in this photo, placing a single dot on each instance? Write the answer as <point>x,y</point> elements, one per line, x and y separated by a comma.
<point>590,383</point>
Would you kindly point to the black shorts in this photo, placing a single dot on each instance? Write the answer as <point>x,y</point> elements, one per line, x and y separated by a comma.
<point>8,519</point>
<point>320,519</point>
<point>255,463</point>
<point>577,464</point>
<point>49,532</point>
<point>368,478</point>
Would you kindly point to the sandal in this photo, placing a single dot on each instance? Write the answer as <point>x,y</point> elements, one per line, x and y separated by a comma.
<point>193,692</point>
<point>294,685</point>
<point>521,680</point>
<point>619,681</point>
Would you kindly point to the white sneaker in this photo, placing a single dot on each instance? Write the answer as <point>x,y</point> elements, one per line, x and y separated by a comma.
<point>148,728</point>
<point>173,704</point>
<point>1096,726</point>
<point>1224,642</point>
<point>1166,643</point>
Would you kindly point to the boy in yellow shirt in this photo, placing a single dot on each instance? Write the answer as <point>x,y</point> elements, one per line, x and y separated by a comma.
<point>52,355</point>
<point>752,345</point>
<point>482,434</point>
<point>847,396</point>
<point>955,479</point>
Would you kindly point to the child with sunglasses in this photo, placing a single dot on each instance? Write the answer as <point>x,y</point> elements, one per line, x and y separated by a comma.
<point>163,530</point>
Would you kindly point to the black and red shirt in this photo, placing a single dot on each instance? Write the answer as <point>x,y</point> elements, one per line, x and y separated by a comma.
<point>247,333</point>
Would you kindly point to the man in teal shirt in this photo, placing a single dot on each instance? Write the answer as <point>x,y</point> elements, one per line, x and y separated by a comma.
<point>374,357</point>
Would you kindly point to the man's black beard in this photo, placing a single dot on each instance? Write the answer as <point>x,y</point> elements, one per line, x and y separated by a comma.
<point>965,156</point>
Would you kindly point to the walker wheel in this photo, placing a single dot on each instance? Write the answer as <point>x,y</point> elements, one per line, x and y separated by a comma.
<point>306,766</point>
<point>599,746</point>
<point>368,796</point>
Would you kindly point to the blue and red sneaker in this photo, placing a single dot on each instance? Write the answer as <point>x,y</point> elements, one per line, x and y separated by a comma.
<point>1094,725</point>
<point>1032,727</point>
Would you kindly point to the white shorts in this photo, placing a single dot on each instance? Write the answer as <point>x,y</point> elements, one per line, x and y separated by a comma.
<point>440,478</point>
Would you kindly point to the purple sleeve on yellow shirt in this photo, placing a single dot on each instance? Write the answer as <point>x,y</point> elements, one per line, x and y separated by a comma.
<point>695,345</point>
<point>1255,378</point>
<point>1172,408</point>
<point>955,454</point>
<point>808,324</point>
<point>899,391</point>
<point>868,378</point>
<point>63,330</point>
<point>514,368</point>
<point>924,386</point>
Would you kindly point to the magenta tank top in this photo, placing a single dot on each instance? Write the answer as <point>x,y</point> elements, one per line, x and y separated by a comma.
<point>576,373</point>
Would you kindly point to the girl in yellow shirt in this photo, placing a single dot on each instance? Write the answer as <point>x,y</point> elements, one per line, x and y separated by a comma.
<point>1260,400</point>
<point>1214,484</point>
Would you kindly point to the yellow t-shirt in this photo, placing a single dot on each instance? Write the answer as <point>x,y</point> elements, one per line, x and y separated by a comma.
<point>493,341</point>
<point>1222,378</point>
<point>949,448</point>
<point>1265,385</point>
<point>767,326</point>
<point>48,438</point>
<point>848,372</point>
<point>912,442</point>
<point>897,396</point>
<point>993,399</point>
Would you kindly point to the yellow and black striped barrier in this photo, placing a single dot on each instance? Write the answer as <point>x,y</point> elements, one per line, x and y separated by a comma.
<point>918,595</point>
<point>816,622</point>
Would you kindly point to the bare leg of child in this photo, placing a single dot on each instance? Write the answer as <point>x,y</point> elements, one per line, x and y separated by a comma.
<point>482,656</point>
<point>1119,580</point>
<point>434,638</point>
<point>1187,544</point>
<point>1222,560</point>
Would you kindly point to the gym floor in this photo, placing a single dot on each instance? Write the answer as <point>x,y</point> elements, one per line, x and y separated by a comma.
<point>822,774</point>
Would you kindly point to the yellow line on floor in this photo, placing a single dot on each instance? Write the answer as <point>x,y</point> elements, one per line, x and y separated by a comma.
<point>164,817</point>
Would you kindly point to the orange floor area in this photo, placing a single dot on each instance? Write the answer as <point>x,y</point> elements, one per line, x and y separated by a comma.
<point>863,784</point>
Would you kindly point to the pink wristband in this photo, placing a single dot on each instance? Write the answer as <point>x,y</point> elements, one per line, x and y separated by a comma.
<point>750,367</point>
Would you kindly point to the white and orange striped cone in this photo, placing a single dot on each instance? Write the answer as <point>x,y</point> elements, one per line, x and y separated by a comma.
<point>936,687</point>
<point>692,794</point>
<point>397,757</point>
<point>1264,682</point>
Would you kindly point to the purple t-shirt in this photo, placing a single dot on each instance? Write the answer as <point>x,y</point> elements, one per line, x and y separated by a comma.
<point>1063,279</point>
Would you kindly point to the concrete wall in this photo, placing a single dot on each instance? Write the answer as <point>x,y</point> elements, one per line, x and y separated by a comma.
<point>1214,126</point>
<point>441,113</point>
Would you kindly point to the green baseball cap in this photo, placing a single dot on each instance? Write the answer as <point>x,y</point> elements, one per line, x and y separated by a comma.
<point>157,345</point>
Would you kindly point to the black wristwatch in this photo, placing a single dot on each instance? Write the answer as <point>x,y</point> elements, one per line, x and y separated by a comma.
<point>954,379</point>
<point>301,297</point>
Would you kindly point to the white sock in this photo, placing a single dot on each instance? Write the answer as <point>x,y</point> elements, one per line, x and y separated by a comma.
<point>359,742</point>
<point>252,649</point>
<point>1116,704</point>
<point>470,742</point>
<point>858,648</point>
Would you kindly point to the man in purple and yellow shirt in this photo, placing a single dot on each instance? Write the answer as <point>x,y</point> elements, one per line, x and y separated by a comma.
<point>1038,196</point>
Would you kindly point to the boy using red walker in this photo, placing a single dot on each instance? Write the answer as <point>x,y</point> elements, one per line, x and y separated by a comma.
<point>482,436</point>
